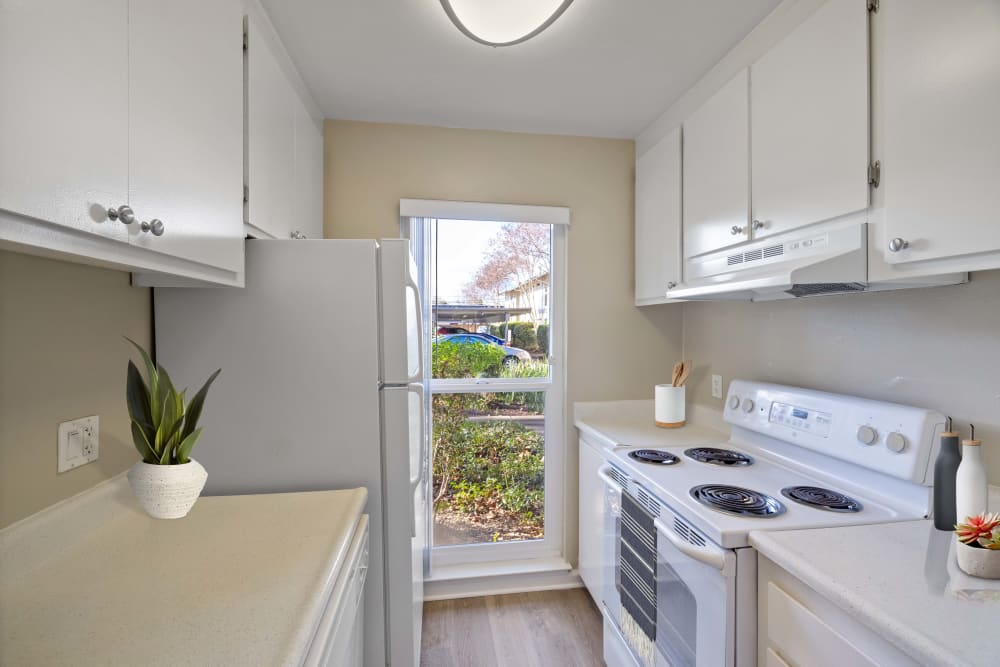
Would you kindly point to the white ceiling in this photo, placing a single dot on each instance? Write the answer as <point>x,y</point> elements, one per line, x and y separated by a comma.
<point>606,68</point>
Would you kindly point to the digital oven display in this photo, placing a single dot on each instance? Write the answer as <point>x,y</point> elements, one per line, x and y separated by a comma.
<point>801,419</point>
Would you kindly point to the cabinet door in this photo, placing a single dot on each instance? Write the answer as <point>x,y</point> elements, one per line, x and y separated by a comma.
<point>185,130</point>
<point>658,220</point>
<point>717,170</point>
<point>308,173</point>
<point>591,520</point>
<point>809,122</point>
<point>270,140</point>
<point>940,88</point>
<point>64,112</point>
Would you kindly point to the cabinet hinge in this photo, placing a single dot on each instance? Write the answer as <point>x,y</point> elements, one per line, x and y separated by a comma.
<point>874,173</point>
<point>873,6</point>
<point>246,194</point>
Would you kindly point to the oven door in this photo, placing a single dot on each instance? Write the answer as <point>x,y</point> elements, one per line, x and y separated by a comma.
<point>610,540</point>
<point>695,597</point>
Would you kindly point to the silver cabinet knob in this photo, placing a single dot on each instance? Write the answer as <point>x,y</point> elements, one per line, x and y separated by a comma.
<point>123,213</point>
<point>155,226</point>
<point>671,285</point>
<point>297,235</point>
<point>758,224</point>
<point>898,244</point>
<point>737,230</point>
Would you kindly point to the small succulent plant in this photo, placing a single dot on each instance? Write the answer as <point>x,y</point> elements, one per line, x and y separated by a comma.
<point>164,428</point>
<point>981,531</point>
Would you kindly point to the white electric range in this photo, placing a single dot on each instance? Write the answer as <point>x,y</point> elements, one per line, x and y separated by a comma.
<point>679,581</point>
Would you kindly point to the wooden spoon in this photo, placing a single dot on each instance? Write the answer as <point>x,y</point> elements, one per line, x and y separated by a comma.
<point>685,371</point>
<point>678,367</point>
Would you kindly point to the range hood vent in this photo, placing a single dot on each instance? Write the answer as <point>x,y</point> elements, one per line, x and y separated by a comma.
<point>818,289</point>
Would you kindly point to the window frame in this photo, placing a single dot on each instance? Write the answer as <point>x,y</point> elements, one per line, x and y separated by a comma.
<point>552,544</point>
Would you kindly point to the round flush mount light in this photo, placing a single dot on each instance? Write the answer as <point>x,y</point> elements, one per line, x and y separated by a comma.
<point>503,22</point>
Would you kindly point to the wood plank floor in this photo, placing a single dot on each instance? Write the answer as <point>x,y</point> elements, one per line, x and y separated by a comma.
<point>544,629</point>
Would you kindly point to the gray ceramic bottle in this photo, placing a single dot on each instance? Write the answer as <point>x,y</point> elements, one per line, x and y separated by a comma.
<point>944,481</point>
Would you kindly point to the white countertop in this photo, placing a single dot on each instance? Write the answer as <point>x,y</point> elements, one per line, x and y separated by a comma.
<point>631,423</point>
<point>900,580</point>
<point>240,580</point>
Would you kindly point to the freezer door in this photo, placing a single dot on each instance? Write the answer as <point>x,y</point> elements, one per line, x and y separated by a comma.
<point>401,331</point>
<point>404,452</point>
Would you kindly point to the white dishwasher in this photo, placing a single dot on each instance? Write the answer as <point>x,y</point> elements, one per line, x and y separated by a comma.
<point>339,639</point>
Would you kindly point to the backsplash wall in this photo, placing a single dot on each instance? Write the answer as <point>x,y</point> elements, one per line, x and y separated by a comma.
<point>62,356</point>
<point>937,348</point>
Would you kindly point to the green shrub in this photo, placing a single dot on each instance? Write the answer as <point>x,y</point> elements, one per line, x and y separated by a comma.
<point>543,338</point>
<point>522,335</point>
<point>451,359</point>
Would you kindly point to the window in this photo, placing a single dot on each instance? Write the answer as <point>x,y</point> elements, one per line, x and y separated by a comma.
<point>494,324</point>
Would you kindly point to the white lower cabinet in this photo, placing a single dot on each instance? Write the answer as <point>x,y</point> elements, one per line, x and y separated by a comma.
<point>339,638</point>
<point>591,523</point>
<point>798,627</point>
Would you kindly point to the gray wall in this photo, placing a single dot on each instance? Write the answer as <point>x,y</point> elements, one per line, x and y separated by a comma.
<point>62,356</point>
<point>937,348</point>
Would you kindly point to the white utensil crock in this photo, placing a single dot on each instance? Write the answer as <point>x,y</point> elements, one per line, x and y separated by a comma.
<point>669,402</point>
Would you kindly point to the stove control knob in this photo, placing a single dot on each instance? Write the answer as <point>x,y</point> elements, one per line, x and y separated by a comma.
<point>896,442</point>
<point>748,406</point>
<point>734,402</point>
<point>867,435</point>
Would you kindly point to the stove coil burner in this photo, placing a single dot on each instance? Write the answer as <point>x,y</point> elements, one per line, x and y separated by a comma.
<point>737,501</point>
<point>821,498</point>
<point>656,456</point>
<point>719,457</point>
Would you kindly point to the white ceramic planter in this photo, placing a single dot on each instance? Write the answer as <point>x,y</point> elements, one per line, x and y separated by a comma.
<point>167,492</point>
<point>983,563</point>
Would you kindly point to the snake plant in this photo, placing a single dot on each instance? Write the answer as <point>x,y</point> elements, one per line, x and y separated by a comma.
<point>164,428</point>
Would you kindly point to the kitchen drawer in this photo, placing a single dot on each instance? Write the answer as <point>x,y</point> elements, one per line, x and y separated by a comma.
<point>804,639</point>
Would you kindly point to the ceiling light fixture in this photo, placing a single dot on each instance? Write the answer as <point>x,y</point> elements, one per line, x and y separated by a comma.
<point>503,22</point>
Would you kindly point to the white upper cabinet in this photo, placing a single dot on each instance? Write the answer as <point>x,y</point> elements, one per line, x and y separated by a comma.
<point>308,173</point>
<point>64,112</point>
<point>658,220</point>
<point>938,85</point>
<point>284,147</point>
<point>185,135</point>
<point>809,115</point>
<point>716,170</point>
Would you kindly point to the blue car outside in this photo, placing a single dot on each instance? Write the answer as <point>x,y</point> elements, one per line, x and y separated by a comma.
<point>513,354</point>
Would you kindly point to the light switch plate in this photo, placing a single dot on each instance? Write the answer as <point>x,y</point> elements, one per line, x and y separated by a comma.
<point>716,386</point>
<point>78,443</point>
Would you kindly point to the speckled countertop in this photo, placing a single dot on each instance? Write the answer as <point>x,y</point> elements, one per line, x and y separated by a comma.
<point>900,580</point>
<point>632,424</point>
<point>240,580</point>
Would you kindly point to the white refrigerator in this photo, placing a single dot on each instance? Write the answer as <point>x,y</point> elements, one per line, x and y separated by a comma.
<point>321,388</point>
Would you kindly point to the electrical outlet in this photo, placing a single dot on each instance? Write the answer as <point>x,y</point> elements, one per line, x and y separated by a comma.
<point>716,386</point>
<point>78,443</point>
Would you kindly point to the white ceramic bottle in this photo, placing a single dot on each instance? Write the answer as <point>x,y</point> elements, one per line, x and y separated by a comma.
<point>971,490</point>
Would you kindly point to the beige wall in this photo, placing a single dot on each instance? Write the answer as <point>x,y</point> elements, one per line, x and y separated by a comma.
<point>614,350</point>
<point>62,356</point>
<point>937,348</point>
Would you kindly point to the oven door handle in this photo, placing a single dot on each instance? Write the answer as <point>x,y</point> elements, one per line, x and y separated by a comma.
<point>602,472</point>
<point>724,561</point>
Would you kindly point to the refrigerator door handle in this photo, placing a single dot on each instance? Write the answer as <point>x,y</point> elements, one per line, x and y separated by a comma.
<point>411,283</point>
<point>418,389</point>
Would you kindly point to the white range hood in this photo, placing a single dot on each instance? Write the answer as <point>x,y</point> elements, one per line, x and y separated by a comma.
<point>831,258</point>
